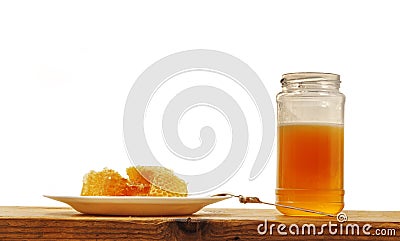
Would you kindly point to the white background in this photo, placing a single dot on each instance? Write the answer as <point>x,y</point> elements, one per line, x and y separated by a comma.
<point>66,68</point>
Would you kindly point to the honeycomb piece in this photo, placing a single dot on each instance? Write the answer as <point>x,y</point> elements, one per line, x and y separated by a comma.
<point>163,181</point>
<point>110,183</point>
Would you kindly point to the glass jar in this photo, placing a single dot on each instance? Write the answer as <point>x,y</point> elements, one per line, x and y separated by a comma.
<point>310,143</point>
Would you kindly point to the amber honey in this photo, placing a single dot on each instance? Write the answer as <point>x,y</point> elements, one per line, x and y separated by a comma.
<point>310,168</point>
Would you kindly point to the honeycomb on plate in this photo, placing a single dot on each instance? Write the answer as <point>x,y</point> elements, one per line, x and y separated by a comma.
<point>110,183</point>
<point>143,181</point>
<point>163,182</point>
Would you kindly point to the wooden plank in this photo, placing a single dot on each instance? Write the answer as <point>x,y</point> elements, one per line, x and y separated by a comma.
<point>56,223</point>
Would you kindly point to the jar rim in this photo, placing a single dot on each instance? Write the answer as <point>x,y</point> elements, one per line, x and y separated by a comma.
<point>311,76</point>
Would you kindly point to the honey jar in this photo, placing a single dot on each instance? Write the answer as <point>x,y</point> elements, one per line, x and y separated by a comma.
<point>310,113</point>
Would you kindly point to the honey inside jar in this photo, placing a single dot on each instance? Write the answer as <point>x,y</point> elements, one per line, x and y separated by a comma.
<point>310,168</point>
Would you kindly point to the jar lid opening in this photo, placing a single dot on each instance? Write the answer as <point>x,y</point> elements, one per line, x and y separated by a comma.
<point>312,76</point>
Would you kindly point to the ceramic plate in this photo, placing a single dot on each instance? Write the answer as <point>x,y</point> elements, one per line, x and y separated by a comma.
<point>137,206</point>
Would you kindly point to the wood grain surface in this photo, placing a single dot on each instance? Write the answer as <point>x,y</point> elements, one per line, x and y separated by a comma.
<point>59,223</point>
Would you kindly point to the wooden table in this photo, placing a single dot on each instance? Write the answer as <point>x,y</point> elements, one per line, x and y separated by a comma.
<point>59,223</point>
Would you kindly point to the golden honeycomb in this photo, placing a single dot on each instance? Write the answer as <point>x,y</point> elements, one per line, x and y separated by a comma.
<point>163,181</point>
<point>143,181</point>
<point>110,183</point>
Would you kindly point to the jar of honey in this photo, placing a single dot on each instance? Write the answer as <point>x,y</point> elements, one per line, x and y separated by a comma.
<point>310,112</point>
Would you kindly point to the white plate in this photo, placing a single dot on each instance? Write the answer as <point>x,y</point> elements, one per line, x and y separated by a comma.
<point>137,206</point>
